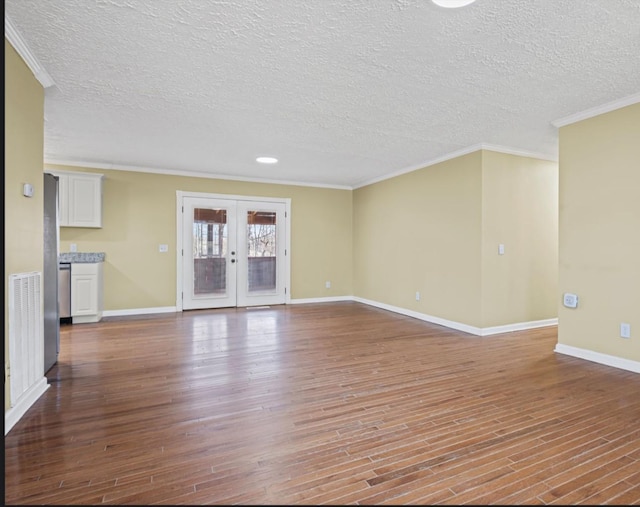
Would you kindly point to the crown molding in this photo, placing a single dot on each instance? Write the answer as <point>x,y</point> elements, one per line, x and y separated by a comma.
<point>520,153</point>
<point>19,44</point>
<point>595,111</point>
<point>192,174</point>
<point>195,174</point>
<point>421,165</point>
<point>456,154</point>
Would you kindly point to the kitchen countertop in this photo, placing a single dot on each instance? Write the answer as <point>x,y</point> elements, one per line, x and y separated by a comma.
<point>81,257</point>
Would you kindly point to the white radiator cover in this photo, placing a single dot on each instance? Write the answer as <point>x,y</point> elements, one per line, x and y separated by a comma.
<point>26,332</point>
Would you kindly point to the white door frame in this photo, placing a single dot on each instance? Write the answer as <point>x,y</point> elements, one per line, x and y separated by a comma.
<point>179,237</point>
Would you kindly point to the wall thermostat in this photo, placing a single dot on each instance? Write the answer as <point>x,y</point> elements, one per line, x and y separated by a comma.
<point>27,190</point>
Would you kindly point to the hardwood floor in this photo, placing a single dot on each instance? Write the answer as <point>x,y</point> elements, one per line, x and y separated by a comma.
<point>322,403</point>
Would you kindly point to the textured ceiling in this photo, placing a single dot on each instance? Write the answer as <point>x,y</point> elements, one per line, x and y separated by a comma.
<point>343,92</point>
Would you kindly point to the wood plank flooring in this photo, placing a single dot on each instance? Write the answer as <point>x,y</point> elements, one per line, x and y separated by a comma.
<point>334,403</point>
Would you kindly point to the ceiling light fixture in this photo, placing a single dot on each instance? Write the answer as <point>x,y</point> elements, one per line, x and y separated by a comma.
<point>452,4</point>
<point>266,160</point>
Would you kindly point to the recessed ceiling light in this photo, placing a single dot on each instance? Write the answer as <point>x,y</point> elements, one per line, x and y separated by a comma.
<point>266,160</point>
<point>452,4</point>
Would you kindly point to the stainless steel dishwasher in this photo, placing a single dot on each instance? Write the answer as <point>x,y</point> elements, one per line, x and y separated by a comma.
<point>64,290</point>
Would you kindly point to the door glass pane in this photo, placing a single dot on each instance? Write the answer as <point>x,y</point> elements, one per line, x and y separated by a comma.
<point>261,250</point>
<point>209,251</point>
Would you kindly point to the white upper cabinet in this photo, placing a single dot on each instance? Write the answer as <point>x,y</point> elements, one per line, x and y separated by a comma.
<point>80,198</point>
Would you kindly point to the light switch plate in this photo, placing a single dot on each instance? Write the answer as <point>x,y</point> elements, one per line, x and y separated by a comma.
<point>625,330</point>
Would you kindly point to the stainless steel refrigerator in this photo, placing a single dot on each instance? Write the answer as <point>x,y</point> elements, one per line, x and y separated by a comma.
<point>50,272</point>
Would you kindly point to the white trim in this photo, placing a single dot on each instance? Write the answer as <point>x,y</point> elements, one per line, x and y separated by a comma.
<point>208,195</point>
<point>421,165</point>
<point>423,316</point>
<point>456,154</point>
<point>180,194</point>
<point>595,111</point>
<point>28,398</point>
<point>597,357</point>
<point>520,326</point>
<point>19,44</point>
<point>179,249</point>
<point>55,172</point>
<point>139,311</point>
<point>287,273</point>
<point>519,153</point>
<point>478,331</point>
<point>192,174</point>
<point>332,299</point>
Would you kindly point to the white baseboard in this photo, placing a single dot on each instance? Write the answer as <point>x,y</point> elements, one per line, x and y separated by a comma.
<point>321,300</point>
<point>396,309</point>
<point>520,326</point>
<point>139,311</point>
<point>597,357</point>
<point>459,326</point>
<point>30,396</point>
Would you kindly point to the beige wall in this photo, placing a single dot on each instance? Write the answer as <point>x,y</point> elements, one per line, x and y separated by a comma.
<point>600,232</point>
<point>421,231</point>
<point>434,230</point>
<point>23,144</point>
<point>520,211</point>
<point>437,231</point>
<point>139,213</point>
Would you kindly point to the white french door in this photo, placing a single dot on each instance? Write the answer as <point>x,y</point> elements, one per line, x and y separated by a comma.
<point>233,252</point>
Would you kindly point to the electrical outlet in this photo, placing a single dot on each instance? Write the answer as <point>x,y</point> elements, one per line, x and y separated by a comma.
<point>417,296</point>
<point>327,284</point>
<point>625,330</point>
<point>163,248</point>
<point>570,300</point>
<point>73,247</point>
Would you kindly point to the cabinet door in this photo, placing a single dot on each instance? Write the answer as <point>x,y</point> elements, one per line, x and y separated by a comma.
<point>84,295</point>
<point>79,198</point>
<point>63,199</point>
<point>85,200</point>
